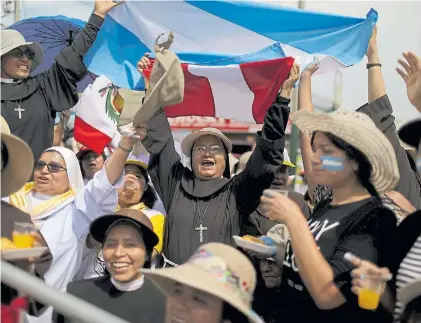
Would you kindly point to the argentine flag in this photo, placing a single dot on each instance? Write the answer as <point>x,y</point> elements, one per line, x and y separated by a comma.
<point>220,33</point>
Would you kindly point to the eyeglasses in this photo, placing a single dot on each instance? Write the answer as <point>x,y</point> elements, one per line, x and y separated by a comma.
<point>18,53</point>
<point>214,150</point>
<point>52,167</point>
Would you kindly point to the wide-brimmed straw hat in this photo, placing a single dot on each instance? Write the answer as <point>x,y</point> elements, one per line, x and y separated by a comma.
<point>410,133</point>
<point>101,226</point>
<point>140,161</point>
<point>166,84</point>
<point>216,269</point>
<point>20,162</point>
<point>359,131</point>
<point>189,140</point>
<point>11,39</point>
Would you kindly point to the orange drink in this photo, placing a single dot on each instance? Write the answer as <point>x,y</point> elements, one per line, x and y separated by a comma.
<point>23,235</point>
<point>368,299</point>
<point>23,240</point>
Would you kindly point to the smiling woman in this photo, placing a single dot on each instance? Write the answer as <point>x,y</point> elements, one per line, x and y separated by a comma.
<point>127,240</point>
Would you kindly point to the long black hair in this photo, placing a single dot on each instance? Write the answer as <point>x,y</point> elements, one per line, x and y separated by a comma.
<point>364,167</point>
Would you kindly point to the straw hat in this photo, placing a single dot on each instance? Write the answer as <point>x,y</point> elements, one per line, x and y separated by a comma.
<point>189,140</point>
<point>166,84</point>
<point>103,224</point>
<point>358,130</point>
<point>139,160</point>
<point>217,269</point>
<point>11,39</point>
<point>20,162</point>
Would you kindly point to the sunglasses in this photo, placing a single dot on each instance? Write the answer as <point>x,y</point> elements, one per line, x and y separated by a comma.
<point>18,53</point>
<point>52,167</point>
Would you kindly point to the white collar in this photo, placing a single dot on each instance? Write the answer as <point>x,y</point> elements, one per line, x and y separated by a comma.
<point>11,81</point>
<point>130,286</point>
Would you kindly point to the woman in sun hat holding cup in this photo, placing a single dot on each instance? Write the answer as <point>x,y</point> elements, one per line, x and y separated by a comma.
<point>353,157</point>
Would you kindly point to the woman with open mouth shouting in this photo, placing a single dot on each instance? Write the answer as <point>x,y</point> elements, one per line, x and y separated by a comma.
<point>127,240</point>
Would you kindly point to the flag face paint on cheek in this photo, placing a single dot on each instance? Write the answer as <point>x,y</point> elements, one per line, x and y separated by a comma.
<point>332,164</point>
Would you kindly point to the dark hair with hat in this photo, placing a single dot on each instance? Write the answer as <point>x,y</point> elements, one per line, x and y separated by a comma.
<point>135,218</point>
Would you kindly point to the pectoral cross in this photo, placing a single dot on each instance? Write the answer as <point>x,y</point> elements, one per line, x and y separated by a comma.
<point>19,110</point>
<point>201,228</point>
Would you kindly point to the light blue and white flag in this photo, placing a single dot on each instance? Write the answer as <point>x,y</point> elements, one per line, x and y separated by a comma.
<point>223,33</point>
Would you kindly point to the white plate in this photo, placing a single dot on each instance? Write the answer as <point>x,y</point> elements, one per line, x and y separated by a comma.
<point>261,249</point>
<point>18,254</point>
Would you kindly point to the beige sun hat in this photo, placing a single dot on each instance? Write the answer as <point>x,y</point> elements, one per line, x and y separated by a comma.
<point>20,162</point>
<point>11,39</point>
<point>189,140</point>
<point>166,84</point>
<point>217,269</point>
<point>358,130</point>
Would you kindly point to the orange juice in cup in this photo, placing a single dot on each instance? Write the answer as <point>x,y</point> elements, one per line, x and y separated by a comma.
<point>23,235</point>
<point>369,295</point>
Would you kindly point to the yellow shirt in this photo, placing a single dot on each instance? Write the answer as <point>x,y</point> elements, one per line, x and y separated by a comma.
<point>157,219</point>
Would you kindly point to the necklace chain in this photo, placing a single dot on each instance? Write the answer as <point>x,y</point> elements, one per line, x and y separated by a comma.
<point>202,216</point>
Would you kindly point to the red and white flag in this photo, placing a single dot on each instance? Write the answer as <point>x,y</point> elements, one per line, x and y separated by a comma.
<point>97,115</point>
<point>241,92</point>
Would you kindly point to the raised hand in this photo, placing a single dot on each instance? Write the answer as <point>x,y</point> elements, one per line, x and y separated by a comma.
<point>311,68</point>
<point>412,77</point>
<point>130,134</point>
<point>144,63</point>
<point>293,77</point>
<point>372,51</point>
<point>102,7</point>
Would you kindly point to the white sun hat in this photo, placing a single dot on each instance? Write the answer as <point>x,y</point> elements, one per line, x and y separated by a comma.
<point>358,130</point>
<point>217,269</point>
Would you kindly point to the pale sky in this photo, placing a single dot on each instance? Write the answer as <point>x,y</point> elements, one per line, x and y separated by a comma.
<point>399,30</point>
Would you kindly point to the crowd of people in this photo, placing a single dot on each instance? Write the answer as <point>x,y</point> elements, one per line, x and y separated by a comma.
<point>150,237</point>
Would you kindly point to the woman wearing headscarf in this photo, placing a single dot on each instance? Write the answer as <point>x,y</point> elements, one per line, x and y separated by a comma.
<point>353,157</point>
<point>204,204</point>
<point>62,207</point>
<point>215,285</point>
<point>127,240</point>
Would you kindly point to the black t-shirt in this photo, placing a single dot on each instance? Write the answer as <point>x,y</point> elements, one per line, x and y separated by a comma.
<point>361,228</point>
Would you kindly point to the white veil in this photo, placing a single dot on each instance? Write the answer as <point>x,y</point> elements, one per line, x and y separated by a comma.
<point>72,164</point>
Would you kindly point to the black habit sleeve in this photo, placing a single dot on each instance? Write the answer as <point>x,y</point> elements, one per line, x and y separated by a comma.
<point>266,158</point>
<point>380,111</point>
<point>165,166</point>
<point>59,82</point>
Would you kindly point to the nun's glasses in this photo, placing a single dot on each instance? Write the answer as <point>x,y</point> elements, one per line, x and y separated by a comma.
<point>52,167</point>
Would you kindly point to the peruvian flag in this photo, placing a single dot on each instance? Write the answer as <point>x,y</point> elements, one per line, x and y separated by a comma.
<point>240,92</point>
<point>97,115</point>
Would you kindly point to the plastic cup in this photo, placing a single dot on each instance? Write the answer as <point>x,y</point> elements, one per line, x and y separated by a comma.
<point>369,295</point>
<point>23,235</point>
<point>283,192</point>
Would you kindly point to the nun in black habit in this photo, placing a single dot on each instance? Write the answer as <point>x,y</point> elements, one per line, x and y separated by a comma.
<point>29,103</point>
<point>127,239</point>
<point>203,204</point>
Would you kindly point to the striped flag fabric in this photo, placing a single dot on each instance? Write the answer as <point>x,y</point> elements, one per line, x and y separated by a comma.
<point>241,92</point>
<point>222,32</point>
<point>97,115</point>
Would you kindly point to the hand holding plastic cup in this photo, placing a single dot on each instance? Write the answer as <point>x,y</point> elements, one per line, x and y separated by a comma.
<point>273,192</point>
<point>369,295</point>
<point>23,235</point>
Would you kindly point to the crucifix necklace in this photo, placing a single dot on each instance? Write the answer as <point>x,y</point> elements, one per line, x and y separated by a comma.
<point>19,109</point>
<point>201,228</point>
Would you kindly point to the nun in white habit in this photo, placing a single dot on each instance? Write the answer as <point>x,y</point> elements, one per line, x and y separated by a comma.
<point>62,207</point>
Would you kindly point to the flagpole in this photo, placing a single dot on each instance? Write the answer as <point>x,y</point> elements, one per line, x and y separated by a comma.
<point>17,10</point>
<point>294,137</point>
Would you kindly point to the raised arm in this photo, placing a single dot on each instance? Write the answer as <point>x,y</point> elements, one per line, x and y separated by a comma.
<point>305,102</point>
<point>60,80</point>
<point>165,167</point>
<point>267,157</point>
<point>412,77</point>
<point>379,109</point>
<point>100,195</point>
